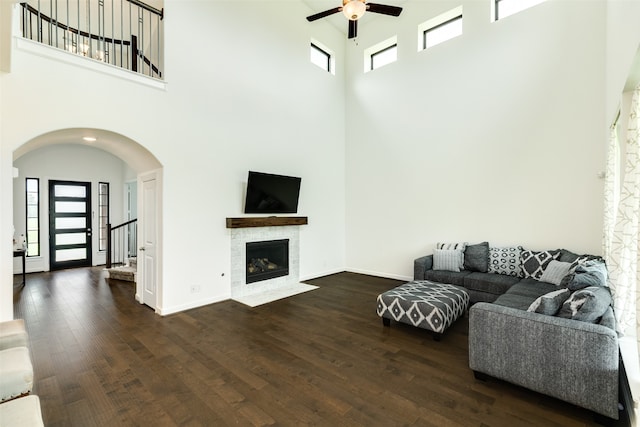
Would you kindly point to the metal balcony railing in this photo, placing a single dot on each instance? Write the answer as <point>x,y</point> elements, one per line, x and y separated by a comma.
<point>124,33</point>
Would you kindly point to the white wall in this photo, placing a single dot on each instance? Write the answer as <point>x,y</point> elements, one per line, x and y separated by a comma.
<point>66,163</point>
<point>496,135</point>
<point>241,95</point>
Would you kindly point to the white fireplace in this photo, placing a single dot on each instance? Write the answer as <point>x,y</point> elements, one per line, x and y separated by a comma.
<point>239,239</point>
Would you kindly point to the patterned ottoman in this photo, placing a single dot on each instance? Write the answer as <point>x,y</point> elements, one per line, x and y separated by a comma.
<point>424,304</point>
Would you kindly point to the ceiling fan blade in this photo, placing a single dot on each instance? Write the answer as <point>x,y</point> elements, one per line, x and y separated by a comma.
<point>384,9</point>
<point>323,14</point>
<point>353,29</point>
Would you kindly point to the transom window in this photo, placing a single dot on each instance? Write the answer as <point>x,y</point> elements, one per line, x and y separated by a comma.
<point>504,8</point>
<point>321,58</point>
<point>440,29</point>
<point>443,32</point>
<point>384,57</point>
<point>381,54</point>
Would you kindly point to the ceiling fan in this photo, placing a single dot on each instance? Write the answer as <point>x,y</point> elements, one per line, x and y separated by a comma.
<point>354,9</point>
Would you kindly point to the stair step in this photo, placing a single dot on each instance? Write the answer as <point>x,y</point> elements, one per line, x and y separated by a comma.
<point>127,274</point>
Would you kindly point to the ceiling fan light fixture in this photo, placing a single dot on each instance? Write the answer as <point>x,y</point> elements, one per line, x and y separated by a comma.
<point>353,9</point>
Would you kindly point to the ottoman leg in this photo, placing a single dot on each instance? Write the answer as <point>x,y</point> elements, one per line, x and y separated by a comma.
<point>386,322</point>
<point>436,336</point>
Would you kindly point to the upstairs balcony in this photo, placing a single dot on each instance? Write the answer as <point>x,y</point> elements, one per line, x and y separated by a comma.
<point>124,33</point>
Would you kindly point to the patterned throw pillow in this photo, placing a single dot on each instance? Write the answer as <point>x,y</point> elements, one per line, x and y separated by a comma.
<point>505,261</point>
<point>448,260</point>
<point>550,303</point>
<point>587,305</point>
<point>534,263</point>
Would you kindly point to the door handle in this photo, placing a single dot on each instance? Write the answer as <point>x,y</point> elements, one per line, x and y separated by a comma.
<point>141,248</point>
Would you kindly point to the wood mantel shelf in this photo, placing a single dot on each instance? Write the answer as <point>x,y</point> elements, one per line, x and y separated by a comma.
<point>266,221</point>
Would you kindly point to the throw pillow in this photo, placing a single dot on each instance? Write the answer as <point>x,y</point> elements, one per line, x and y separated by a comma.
<point>591,273</point>
<point>583,259</point>
<point>505,261</point>
<point>555,272</point>
<point>454,246</point>
<point>534,263</point>
<point>550,303</point>
<point>476,257</point>
<point>448,260</point>
<point>587,305</point>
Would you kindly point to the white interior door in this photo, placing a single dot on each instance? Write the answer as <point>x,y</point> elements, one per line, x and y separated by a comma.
<point>148,241</point>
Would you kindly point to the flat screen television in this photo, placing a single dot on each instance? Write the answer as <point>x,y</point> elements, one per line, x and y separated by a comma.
<point>271,194</point>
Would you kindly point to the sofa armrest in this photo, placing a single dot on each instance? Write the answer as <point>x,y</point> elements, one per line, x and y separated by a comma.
<point>571,360</point>
<point>421,265</point>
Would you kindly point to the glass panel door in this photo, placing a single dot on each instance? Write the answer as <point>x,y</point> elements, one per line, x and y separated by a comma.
<point>69,224</point>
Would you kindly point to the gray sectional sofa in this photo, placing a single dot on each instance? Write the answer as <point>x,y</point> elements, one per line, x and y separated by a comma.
<point>553,353</point>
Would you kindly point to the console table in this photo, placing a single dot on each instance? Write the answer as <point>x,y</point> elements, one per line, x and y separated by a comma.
<point>23,255</point>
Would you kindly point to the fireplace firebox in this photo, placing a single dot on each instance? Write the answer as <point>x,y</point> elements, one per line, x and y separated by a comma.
<point>267,260</point>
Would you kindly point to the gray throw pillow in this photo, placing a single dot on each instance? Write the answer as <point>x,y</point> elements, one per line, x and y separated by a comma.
<point>550,303</point>
<point>591,273</point>
<point>587,305</point>
<point>555,272</point>
<point>447,260</point>
<point>476,257</point>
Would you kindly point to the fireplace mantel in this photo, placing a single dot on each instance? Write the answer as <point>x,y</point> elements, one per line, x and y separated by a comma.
<point>266,221</point>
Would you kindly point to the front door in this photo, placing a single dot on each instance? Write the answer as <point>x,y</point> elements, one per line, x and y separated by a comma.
<point>69,224</point>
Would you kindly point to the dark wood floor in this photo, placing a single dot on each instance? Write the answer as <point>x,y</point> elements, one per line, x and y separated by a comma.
<point>320,358</point>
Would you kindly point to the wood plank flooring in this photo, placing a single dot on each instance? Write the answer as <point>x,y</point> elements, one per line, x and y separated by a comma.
<point>321,358</point>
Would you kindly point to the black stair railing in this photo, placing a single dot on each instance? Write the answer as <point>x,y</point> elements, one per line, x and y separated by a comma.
<point>122,242</point>
<point>124,33</point>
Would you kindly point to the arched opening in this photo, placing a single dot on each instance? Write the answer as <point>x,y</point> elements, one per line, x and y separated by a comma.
<point>94,159</point>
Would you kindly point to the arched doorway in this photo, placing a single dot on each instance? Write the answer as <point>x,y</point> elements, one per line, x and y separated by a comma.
<point>94,156</point>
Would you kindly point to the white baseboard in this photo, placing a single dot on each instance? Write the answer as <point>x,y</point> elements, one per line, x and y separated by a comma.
<point>321,274</point>
<point>193,304</point>
<point>381,274</point>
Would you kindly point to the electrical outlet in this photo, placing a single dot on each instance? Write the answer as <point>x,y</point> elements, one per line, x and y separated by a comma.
<point>195,289</point>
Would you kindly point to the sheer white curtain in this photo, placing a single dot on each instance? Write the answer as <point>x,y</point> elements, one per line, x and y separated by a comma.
<point>622,224</point>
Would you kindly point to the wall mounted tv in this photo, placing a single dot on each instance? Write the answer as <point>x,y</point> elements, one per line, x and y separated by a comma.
<point>271,194</point>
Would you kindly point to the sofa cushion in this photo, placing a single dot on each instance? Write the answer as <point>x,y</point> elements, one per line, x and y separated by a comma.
<point>591,273</point>
<point>587,305</point>
<point>555,272</point>
<point>476,257</point>
<point>534,263</point>
<point>451,277</point>
<point>551,302</point>
<point>505,260</point>
<point>449,260</point>
<point>496,284</point>
<point>523,293</point>
<point>532,288</point>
